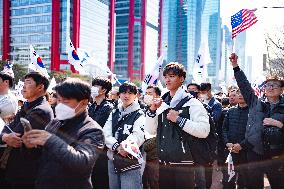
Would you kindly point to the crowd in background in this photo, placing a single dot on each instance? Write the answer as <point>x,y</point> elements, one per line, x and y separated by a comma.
<point>184,134</point>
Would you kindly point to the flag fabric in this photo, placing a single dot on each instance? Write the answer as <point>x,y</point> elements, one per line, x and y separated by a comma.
<point>242,20</point>
<point>52,84</point>
<point>8,69</point>
<point>74,59</point>
<point>152,77</point>
<point>258,85</point>
<point>231,168</point>
<point>18,90</point>
<point>200,73</point>
<point>36,63</point>
<point>130,146</point>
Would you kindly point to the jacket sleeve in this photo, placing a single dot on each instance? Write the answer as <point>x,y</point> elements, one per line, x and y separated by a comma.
<point>216,112</point>
<point>151,123</point>
<point>138,130</point>
<point>80,156</point>
<point>111,142</point>
<point>225,128</point>
<point>245,87</point>
<point>198,124</point>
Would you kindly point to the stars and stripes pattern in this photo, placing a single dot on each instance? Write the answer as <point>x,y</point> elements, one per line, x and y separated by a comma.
<point>242,20</point>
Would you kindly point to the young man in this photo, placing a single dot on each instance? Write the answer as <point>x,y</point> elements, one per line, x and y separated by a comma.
<point>175,127</point>
<point>70,143</point>
<point>99,111</point>
<point>125,123</point>
<point>264,138</point>
<point>234,128</point>
<point>22,164</point>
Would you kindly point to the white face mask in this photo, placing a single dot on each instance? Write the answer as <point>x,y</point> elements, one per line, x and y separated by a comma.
<point>64,112</point>
<point>94,92</point>
<point>148,99</point>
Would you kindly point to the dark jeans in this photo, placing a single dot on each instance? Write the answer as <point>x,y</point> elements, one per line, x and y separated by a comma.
<point>255,170</point>
<point>100,172</point>
<point>151,175</point>
<point>240,161</point>
<point>176,176</point>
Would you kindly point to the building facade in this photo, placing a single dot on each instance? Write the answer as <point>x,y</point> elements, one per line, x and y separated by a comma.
<point>136,37</point>
<point>47,24</point>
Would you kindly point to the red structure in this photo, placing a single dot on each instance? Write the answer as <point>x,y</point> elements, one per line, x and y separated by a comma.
<point>6,29</point>
<point>111,35</point>
<point>143,38</point>
<point>55,53</point>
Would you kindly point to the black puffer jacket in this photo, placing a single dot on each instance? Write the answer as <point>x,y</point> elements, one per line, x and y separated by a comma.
<point>100,113</point>
<point>234,126</point>
<point>22,164</point>
<point>70,153</point>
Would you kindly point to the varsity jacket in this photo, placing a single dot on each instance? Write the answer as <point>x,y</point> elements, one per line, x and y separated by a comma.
<point>137,128</point>
<point>194,121</point>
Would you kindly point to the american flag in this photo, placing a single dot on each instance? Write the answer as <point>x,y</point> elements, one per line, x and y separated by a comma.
<point>242,20</point>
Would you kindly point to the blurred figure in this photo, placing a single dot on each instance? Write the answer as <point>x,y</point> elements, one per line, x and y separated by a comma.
<point>114,96</point>
<point>71,143</point>
<point>151,93</point>
<point>53,101</point>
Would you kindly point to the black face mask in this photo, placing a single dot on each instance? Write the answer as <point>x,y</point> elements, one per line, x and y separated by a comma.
<point>194,94</point>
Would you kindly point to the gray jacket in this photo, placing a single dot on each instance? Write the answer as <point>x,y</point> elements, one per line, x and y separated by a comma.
<point>257,112</point>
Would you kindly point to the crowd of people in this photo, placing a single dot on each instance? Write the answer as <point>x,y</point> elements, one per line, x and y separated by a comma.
<point>76,134</point>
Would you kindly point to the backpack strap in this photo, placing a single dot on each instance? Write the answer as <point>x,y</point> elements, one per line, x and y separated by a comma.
<point>181,103</point>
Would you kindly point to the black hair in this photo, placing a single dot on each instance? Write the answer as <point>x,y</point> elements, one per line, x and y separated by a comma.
<point>194,84</point>
<point>7,77</point>
<point>205,86</point>
<point>225,101</point>
<point>128,87</point>
<point>156,89</point>
<point>104,83</point>
<point>74,88</point>
<point>175,69</point>
<point>39,79</point>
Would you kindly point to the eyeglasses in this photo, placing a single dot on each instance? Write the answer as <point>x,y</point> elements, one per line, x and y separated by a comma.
<point>271,86</point>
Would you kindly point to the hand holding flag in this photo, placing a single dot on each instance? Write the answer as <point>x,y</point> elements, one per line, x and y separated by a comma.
<point>130,146</point>
<point>231,168</point>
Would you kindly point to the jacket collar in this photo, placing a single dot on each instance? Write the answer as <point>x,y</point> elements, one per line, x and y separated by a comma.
<point>179,95</point>
<point>131,108</point>
<point>30,105</point>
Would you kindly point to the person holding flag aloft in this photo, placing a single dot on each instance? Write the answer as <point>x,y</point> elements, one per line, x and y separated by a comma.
<point>264,137</point>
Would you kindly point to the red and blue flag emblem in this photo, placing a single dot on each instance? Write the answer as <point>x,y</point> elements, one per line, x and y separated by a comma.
<point>75,55</point>
<point>39,62</point>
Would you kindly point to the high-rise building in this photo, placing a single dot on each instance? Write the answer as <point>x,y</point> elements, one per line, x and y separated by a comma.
<point>136,37</point>
<point>46,24</point>
<point>175,31</point>
<point>185,25</point>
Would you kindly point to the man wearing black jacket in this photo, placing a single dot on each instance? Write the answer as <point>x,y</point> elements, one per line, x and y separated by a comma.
<point>234,128</point>
<point>71,143</point>
<point>99,111</point>
<point>22,164</point>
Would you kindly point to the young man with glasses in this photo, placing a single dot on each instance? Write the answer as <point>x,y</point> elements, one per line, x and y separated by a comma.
<point>264,138</point>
